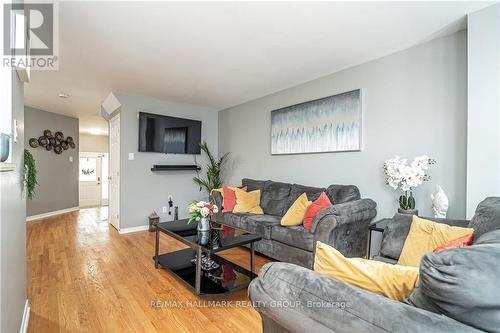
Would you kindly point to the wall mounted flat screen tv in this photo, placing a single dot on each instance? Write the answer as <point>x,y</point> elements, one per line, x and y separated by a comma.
<point>168,135</point>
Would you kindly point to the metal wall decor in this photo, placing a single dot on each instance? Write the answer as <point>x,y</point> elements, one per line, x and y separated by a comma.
<point>55,142</point>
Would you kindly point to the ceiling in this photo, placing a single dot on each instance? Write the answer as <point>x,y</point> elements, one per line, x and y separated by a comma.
<point>221,54</point>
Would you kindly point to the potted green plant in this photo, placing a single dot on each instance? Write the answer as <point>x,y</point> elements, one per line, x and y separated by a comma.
<point>214,169</point>
<point>30,177</point>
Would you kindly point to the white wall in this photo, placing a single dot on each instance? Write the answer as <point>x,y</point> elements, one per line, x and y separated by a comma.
<point>141,190</point>
<point>414,103</point>
<point>483,125</point>
<point>94,143</point>
<point>13,221</point>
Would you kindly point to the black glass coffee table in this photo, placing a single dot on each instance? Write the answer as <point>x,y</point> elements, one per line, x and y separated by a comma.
<point>198,266</point>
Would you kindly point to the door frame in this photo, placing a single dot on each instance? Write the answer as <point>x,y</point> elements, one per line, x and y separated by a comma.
<point>114,161</point>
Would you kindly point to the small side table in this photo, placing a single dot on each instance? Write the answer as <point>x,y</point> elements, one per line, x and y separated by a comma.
<point>377,226</point>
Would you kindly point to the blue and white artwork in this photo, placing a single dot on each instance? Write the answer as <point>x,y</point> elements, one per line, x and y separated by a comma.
<point>329,124</point>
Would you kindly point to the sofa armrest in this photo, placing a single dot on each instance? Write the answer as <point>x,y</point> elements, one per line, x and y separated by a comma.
<point>345,226</point>
<point>296,299</point>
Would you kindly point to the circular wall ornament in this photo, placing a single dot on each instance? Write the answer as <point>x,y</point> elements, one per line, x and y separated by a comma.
<point>64,145</point>
<point>43,141</point>
<point>47,133</point>
<point>59,136</point>
<point>58,149</point>
<point>52,141</point>
<point>69,139</point>
<point>33,142</point>
<point>72,145</point>
<point>48,147</point>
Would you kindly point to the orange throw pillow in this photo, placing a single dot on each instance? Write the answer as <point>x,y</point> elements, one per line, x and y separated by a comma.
<point>455,244</point>
<point>314,208</point>
<point>229,200</point>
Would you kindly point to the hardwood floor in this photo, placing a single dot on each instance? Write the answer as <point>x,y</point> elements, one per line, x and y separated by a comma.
<point>85,277</point>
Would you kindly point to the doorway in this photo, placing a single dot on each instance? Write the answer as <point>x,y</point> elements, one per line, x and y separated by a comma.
<point>93,184</point>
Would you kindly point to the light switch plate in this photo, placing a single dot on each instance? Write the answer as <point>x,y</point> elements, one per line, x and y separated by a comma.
<point>71,158</point>
<point>130,156</point>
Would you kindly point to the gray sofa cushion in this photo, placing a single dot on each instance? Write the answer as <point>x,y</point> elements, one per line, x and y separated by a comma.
<point>463,284</point>
<point>258,224</point>
<point>294,236</point>
<point>253,184</point>
<point>312,193</point>
<point>342,193</point>
<point>487,216</point>
<point>491,237</point>
<point>274,198</point>
<point>385,259</point>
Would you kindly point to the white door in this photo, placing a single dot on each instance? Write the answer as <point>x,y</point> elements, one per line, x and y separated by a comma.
<point>90,179</point>
<point>114,172</point>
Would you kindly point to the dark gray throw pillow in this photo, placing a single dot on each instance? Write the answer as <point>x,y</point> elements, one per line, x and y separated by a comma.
<point>463,284</point>
<point>487,216</point>
<point>312,193</point>
<point>274,198</point>
<point>253,184</point>
<point>394,236</point>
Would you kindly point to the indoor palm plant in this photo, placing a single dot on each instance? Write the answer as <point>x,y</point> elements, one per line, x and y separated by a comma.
<point>406,177</point>
<point>214,168</point>
<point>30,177</point>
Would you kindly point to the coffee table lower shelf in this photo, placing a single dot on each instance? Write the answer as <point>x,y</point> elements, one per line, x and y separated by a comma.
<point>227,278</point>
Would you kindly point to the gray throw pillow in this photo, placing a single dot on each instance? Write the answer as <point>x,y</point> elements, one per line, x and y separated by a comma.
<point>463,284</point>
<point>394,236</point>
<point>253,184</point>
<point>274,198</point>
<point>312,193</point>
<point>487,216</point>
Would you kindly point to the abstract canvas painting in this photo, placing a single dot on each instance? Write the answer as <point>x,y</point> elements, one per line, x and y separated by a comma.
<point>329,124</point>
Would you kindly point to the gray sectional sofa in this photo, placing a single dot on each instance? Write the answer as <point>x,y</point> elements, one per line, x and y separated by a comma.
<point>344,226</point>
<point>458,289</point>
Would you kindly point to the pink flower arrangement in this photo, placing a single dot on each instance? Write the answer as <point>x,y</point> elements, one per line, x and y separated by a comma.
<point>201,209</point>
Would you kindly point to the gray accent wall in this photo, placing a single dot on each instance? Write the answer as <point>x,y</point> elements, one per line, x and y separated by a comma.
<point>57,175</point>
<point>483,128</point>
<point>414,103</point>
<point>143,191</point>
<point>13,226</point>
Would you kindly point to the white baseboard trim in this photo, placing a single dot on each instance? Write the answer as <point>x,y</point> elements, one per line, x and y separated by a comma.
<point>26,318</point>
<point>133,229</point>
<point>50,214</point>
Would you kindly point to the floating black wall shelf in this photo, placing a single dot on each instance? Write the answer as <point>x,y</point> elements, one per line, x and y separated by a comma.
<point>173,167</point>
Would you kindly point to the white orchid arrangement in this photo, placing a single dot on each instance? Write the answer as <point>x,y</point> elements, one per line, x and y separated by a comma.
<point>201,209</point>
<point>406,177</point>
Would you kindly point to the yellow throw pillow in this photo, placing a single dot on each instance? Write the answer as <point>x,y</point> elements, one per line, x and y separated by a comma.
<point>392,281</point>
<point>247,202</point>
<point>296,212</point>
<point>425,236</point>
